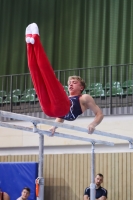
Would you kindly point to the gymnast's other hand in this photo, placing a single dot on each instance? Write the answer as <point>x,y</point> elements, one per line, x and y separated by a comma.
<point>91,128</point>
<point>52,130</point>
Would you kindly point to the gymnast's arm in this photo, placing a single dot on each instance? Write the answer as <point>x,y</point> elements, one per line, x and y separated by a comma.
<point>89,102</point>
<point>53,128</point>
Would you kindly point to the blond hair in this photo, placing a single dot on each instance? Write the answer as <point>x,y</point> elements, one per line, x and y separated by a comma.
<point>82,82</point>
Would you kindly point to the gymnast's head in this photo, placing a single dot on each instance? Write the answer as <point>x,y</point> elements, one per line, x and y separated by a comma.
<point>76,85</point>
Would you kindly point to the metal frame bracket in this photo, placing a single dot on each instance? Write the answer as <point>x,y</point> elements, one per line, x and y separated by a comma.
<point>34,127</point>
<point>130,145</point>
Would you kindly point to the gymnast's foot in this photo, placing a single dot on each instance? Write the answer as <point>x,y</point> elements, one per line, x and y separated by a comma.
<point>28,34</point>
<point>34,29</point>
<point>31,30</point>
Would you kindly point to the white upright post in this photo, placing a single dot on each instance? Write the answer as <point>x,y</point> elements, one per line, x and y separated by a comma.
<point>92,185</point>
<point>40,180</point>
<point>40,168</point>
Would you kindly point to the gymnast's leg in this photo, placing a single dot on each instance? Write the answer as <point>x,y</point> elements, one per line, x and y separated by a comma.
<point>51,94</point>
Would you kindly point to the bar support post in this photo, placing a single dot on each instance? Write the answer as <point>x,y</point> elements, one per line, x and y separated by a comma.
<point>92,185</point>
<point>40,179</point>
<point>40,168</point>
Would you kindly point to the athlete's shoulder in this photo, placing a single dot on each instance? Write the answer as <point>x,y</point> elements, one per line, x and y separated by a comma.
<point>104,189</point>
<point>86,98</point>
<point>87,189</point>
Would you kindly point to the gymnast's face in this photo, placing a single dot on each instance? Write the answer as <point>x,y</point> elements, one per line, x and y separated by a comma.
<point>74,87</point>
<point>98,180</point>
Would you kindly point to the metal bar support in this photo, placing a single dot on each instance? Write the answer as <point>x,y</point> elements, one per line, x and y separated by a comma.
<point>40,179</point>
<point>61,135</point>
<point>40,168</point>
<point>92,185</point>
<point>67,126</point>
